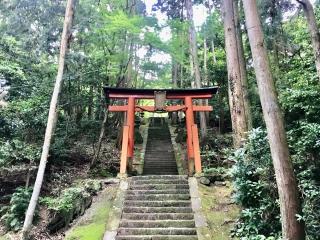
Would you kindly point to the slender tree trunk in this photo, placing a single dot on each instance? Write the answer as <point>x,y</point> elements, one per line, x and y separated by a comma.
<point>236,99</point>
<point>194,55</point>
<point>52,119</point>
<point>213,52</point>
<point>313,29</point>
<point>242,65</point>
<point>205,62</point>
<point>175,84</point>
<point>206,81</point>
<point>102,134</point>
<point>286,182</point>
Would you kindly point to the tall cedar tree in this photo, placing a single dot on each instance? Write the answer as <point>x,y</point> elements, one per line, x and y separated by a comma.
<point>236,96</point>
<point>290,207</point>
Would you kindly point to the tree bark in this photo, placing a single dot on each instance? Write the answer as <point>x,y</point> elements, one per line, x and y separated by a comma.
<point>102,134</point>
<point>213,52</point>
<point>286,182</point>
<point>206,80</point>
<point>175,85</point>
<point>313,29</point>
<point>52,119</point>
<point>242,65</point>
<point>235,87</point>
<point>194,55</point>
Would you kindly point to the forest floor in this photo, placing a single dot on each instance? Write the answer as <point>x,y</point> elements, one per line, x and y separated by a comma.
<point>219,209</point>
<point>74,173</point>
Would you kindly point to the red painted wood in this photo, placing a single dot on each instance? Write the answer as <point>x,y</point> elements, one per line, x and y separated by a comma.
<point>189,123</point>
<point>147,96</point>
<point>130,123</point>
<point>167,108</point>
<point>124,150</point>
<point>196,148</point>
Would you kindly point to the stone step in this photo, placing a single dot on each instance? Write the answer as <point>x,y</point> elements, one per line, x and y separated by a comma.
<point>152,172</point>
<point>172,203</point>
<point>157,237</point>
<point>157,231</point>
<point>158,186</point>
<point>157,224</point>
<point>158,216</point>
<point>159,181</point>
<point>159,162</point>
<point>154,197</point>
<point>131,209</point>
<point>157,192</point>
<point>176,177</point>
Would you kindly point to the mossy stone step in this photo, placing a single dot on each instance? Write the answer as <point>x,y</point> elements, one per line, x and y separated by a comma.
<point>158,186</point>
<point>157,224</point>
<point>157,231</point>
<point>163,177</point>
<point>171,203</point>
<point>156,192</point>
<point>159,181</point>
<point>154,197</point>
<point>157,210</point>
<point>157,237</point>
<point>158,216</point>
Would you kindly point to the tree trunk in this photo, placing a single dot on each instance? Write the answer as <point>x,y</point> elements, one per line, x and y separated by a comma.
<point>205,61</point>
<point>206,81</point>
<point>194,55</point>
<point>286,182</point>
<point>52,119</point>
<point>102,134</point>
<point>175,85</point>
<point>213,52</point>
<point>236,98</point>
<point>242,65</point>
<point>313,29</point>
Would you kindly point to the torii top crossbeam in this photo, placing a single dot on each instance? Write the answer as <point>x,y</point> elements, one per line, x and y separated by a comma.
<point>160,96</point>
<point>201,93</point>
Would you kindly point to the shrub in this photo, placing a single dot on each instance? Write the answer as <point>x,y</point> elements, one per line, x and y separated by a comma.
<point>255,189</point>
<point>14,214</point>
<point>17,151</point>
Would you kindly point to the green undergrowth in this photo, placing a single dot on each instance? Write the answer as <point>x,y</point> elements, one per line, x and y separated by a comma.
<point>219,210</point>
<point>92,225</point>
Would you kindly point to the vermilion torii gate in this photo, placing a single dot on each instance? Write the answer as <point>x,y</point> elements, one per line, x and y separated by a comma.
<point>160,96</point>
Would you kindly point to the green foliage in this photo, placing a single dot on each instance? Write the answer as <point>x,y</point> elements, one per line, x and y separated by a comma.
<point>69,198</point>
<point>214,150</point>
<point>72,198</point>
<point>15,151</point>
<point>14,214</point>
<point>255,189</point>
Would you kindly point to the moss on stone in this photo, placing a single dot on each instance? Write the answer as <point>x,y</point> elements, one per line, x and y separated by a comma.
<point>93,224</point>
<point>219,210</point>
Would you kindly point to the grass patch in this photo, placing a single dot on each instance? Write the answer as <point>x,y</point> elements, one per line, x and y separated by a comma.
<point>219,210</point>
<point>92,225</point>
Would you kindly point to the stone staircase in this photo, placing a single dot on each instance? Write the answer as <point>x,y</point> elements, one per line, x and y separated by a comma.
<point>159,156</point>
<point>157,207</point>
